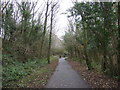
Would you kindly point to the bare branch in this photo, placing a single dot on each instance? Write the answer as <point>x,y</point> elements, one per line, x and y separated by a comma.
<point>5,5</point>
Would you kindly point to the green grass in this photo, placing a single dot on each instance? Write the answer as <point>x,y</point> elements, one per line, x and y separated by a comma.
<point>96,66</point>
<point>33,77</point>
<point>13,70</point>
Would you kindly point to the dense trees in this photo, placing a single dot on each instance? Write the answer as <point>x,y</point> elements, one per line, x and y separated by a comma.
<point>18,28</point>
<point>24,32</point>
<point>95,33</point>
<point>26,35</point>
<point>92,37</point>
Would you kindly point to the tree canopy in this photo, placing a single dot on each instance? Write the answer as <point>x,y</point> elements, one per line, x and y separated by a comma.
<point>95,34</point>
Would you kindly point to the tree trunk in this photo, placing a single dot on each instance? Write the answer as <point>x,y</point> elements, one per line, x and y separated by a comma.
<point>118,48</point>
<point>85,48</point>
<point>44,31</point>
<point>50,36</point>
<point>105,8</point>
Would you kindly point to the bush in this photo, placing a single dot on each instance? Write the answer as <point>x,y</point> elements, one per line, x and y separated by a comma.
<point>12,73</point>
<point>15,70</point>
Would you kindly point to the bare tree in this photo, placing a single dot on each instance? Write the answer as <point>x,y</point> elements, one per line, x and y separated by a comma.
<point>45,26</point>
<point>54,8</point>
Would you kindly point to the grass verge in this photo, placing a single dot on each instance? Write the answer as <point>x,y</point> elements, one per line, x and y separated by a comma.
<point>33,73</point>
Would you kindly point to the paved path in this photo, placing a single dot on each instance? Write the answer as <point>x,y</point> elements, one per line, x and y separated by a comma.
<point>65,77</point>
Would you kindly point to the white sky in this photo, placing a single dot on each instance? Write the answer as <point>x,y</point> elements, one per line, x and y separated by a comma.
<point>61,22</point>
<point>61,18</point>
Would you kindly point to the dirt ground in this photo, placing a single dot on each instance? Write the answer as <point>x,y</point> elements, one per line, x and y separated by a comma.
<point>95,79</point>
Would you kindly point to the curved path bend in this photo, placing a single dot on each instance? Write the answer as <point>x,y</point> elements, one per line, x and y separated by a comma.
<point>65,77</point>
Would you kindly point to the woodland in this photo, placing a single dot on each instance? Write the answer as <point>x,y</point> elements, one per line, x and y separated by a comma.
<point>27,33</point>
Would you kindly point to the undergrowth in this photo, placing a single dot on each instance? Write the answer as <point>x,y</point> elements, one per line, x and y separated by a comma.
<point>14,70</point>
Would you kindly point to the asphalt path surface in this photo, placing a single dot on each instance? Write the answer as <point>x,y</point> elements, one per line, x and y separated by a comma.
<point>65,77</point>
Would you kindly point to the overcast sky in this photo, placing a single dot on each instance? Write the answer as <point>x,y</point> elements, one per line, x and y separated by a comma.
<point>61,18</point>
<point>61,23</point>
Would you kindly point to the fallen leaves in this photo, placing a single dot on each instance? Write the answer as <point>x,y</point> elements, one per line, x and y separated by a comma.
<point>94,78</point>
<point>38,79</point>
